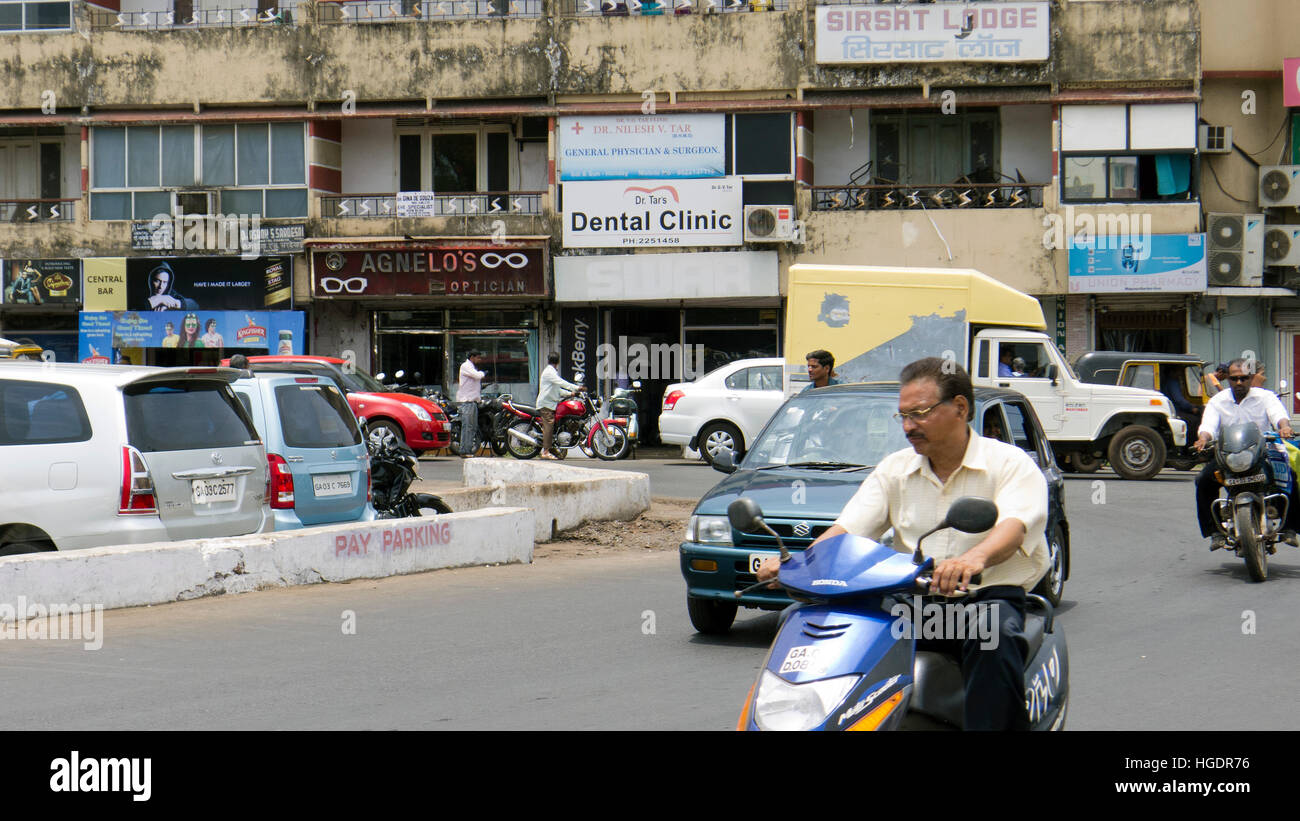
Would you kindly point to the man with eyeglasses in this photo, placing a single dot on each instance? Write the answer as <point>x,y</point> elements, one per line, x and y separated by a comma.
<point>1241,403</point>
<point>911,490</point>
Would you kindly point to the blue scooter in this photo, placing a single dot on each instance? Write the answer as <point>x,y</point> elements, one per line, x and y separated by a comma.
<point>842,660</point>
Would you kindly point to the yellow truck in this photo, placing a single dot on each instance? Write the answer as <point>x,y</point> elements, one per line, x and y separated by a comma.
<point>875,320</point>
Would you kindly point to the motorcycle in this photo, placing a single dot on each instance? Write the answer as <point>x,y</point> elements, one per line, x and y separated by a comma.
<point>1252,515</point>
<point>397,385</point>
<point>624,408</point>
<point>840,661</point>
<point>577,423</point>
<point>392,470</point>
<point>490,420</point>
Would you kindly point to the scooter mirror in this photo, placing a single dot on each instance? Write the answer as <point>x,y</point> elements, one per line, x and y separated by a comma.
<point>745,515</point>
<point>380,377</point>
<point>417,377</point>
<point>398,376</point>
<point>971,514</point>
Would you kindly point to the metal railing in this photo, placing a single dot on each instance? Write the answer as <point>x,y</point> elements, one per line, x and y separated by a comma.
<point>249,17</point>
<point>972,196</point>
<point>411,11</point>
<point>38,210</point>
<point>385,206</point>
<point>664,8</point>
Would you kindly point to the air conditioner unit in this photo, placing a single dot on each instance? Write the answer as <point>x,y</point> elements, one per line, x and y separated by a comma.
<point>769,223</point>
<point>1235,249</point>
<point>194,203</point>
<point>1214,139</point>
<point>1279,186</point>
<point>1282,245</point>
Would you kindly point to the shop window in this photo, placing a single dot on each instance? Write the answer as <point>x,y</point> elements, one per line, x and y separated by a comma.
<point>260,169</point>
<point>928,149</point>
<point>454,160</point>
<point>762,145</point>
<point>28,15</point>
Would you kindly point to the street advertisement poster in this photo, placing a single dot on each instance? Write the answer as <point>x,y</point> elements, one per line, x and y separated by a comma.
<point>672,146</point>
<point>668,213</point>
<point>1158,262</point>
<point>103,333</point>
<point>42,282</point>
<point>104,281</point>
<point>578,346</point>
<point>208,283</point>
<point>972,33</point>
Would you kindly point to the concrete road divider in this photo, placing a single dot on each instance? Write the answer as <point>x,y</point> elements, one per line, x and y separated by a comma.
<point>131,575</point>
<point>561,496</point>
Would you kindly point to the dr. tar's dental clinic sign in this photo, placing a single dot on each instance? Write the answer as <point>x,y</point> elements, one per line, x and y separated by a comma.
<point>640,213</point>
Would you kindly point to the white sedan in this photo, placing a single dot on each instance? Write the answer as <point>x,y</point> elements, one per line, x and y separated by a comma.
<point>724,409</point>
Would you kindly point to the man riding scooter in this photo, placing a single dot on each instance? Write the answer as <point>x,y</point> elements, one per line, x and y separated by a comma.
<point>1241,403</point>
<point>911,489</point>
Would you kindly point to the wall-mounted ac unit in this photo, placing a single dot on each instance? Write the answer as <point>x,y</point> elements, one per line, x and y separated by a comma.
<point>1282,245</point>
<point>1235,249</point>
<point>196,203</point>
<point>1214,139</point>
<point>769,223</point>
<point>1279,186</point>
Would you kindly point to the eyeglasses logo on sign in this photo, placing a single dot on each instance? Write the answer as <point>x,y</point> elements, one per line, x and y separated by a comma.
<point>335,285</point>
<point>515,260</point>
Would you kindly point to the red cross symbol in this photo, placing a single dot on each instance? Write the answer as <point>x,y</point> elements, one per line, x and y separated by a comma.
<point>577,129</point>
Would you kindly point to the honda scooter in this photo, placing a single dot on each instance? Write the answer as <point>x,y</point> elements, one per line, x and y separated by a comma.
<point>840,660</point>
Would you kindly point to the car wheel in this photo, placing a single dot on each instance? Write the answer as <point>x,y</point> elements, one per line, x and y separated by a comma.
<point>19,548</point>
<point>719,437</point>
<point>1137,452</point>
<point>710,615</point>
<point>1052,585</point>
<point>387,427</point>
<point>1084,462</point>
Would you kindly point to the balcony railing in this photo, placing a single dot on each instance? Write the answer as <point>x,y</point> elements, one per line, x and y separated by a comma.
<point>411,11</point>
<point>249,17</point>
<point>37,210</point>
<point>973,196</point>
<point>664,8</point>
<point>517,203</point>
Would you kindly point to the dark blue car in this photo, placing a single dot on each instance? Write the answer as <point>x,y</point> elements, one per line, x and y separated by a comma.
<point>807,463</point>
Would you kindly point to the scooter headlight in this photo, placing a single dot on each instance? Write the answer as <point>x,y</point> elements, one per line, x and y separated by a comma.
<point>709,530</point>
<point>1241,460</point>
<point>781,705</point>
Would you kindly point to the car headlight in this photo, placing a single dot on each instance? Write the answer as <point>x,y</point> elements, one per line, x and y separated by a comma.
<point>781,705</point>
<point>709,530</point>
<point>1241,460</point>
<point>420,413</point>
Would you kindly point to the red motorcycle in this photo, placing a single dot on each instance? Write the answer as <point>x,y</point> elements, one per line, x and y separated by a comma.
<point>577,424</point>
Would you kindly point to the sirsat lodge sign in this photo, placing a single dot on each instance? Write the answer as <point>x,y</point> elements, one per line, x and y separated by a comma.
<point>967,32</point>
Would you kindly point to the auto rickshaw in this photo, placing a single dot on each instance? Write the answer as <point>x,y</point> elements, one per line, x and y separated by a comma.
<point>23,349</point>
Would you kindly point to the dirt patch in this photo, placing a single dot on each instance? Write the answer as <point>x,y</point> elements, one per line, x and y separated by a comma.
<point>659,528</point>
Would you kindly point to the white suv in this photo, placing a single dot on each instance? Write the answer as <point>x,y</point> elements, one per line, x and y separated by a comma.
<point>101,455</point>
<point>724,409</point>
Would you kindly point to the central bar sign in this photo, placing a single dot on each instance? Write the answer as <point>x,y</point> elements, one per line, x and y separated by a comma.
<point>976,33</point>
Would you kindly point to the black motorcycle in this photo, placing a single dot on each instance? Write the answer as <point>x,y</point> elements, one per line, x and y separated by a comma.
<point>491,424</point>
<point>392,470</point>
<point>1258,481</point>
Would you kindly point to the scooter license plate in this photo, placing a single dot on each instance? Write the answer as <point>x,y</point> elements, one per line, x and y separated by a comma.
<point>807,658</point>
<point>1244,480</point>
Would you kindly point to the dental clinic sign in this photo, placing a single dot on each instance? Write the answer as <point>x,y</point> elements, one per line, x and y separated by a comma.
<point>973,33</point>
<point>664,213</point>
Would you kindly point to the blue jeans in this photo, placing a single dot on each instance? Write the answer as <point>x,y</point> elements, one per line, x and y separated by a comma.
<point>468,428</point>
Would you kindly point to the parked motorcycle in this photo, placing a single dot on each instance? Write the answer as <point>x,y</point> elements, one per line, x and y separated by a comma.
<point>577,422</point>
<point>491,423</point>
<point>625,408</point>
<point>1253,468</point>
<point>392,470</point>
<point>397,383</point>
<point>840,661</point>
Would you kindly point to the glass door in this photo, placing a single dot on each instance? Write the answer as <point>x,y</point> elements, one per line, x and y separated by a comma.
<point>508,363</point>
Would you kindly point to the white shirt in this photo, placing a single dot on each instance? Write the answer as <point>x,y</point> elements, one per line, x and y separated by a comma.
<point>903,492</point>
<point>471,387</point>
<point>552,387</point>
<point>1260,406</point>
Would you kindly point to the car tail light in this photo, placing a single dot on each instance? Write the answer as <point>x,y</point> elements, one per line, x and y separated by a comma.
<point>670,401</point>
<point>370,495</point>
<point>137,485</point>
<point>281,490</point>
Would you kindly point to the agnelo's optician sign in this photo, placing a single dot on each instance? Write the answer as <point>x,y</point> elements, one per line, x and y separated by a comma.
<point>635,213</point>
<point>427,270</point>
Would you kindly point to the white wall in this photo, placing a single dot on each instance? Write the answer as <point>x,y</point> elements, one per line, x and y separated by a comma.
<point>369,157</point>
<point>1027,142</point>
<point>833,159</point>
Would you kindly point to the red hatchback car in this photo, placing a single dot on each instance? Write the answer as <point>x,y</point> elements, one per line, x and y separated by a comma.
<point>419,423</point>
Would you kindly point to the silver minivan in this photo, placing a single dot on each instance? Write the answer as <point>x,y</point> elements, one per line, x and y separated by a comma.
<point>320,467</point>
<point>100,455</point>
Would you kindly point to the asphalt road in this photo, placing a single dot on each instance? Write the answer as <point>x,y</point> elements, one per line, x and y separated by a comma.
<point>1155,626</point>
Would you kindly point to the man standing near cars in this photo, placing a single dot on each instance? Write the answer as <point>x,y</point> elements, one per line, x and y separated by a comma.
<point>552,387</point>
<point>911,489</point>
<point>821,369</point>
<point>1242,403</point>
<point>468,392</point>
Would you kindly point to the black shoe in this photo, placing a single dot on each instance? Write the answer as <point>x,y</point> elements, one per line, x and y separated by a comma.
<point>1290,537</point>
<point>1218,542</point>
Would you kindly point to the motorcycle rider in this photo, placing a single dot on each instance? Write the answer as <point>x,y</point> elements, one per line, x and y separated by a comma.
<point>550,390</point>
<point>1242,403</point>
<point>911,489</point>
